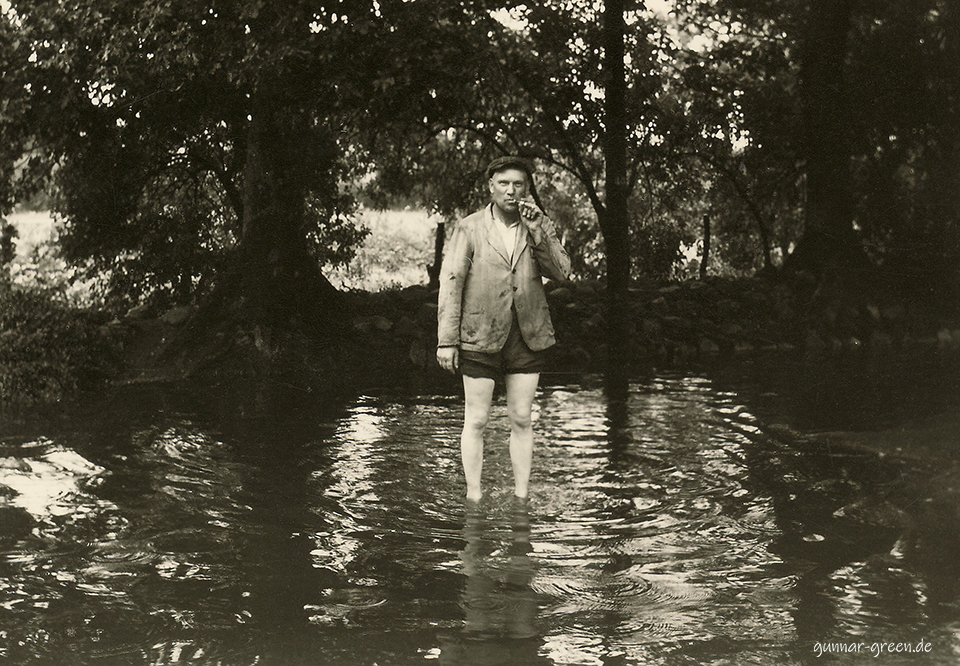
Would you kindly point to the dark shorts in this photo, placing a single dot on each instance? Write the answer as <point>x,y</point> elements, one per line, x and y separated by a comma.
<point>515,358</point>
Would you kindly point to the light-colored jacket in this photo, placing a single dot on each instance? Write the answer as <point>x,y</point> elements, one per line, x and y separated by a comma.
<point>480,285</point>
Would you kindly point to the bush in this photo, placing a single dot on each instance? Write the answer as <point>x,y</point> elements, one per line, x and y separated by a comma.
<point>48,351</point>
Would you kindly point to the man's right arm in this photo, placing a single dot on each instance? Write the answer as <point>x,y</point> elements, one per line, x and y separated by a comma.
<point>453,274</point>
<point>449,358</point>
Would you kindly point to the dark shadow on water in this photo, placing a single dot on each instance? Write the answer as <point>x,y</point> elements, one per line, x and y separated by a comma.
<point>500,608</point>
<point>859,456</point>
<point>210,491</point>
<point>616,391</point>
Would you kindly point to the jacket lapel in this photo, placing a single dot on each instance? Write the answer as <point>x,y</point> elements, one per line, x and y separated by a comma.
<point>522,234</point>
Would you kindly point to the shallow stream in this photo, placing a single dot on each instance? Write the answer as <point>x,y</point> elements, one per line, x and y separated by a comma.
<point>771,511</point>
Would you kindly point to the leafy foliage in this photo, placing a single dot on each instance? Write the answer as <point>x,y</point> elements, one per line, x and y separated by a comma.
<point>531,83</point>
<point>896,118</point>
<point>906,134</point>
<point>140,115</point>
<point>48,351</point>
<point>145,117</point>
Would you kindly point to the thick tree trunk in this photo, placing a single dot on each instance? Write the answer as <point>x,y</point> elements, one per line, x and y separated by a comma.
<point>829,238</point>
<point>274,284</point>
<point>615,217</point>
<point>280,280</point>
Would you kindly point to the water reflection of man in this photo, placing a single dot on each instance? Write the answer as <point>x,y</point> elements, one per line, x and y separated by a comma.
<point>499,605</point>
<point>493,320</point>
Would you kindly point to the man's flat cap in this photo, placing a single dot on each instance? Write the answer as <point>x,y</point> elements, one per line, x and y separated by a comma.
<point>509,162</point>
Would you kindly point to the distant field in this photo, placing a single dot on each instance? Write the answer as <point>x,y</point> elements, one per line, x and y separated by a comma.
<point>32,229</point>
<point>395,254</point>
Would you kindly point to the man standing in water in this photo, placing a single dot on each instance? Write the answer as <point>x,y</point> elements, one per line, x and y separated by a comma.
<point>493,322</point>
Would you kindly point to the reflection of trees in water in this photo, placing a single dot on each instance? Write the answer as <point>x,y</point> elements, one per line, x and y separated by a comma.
<point>500,607</point>
<point>837,527</point>
<point>857,456</point>
<point>194,537</point>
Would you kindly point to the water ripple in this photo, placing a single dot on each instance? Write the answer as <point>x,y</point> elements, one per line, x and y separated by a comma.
<point>670,524</point>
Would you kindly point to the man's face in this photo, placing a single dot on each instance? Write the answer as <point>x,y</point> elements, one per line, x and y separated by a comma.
<point>506,187</point>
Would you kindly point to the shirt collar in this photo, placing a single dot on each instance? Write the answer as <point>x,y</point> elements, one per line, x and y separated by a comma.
<point>499,221</point>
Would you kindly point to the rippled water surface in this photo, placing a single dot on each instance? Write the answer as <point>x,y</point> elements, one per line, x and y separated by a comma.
<point>768,512</point>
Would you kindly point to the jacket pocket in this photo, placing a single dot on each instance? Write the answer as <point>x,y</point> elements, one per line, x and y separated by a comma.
<point>470,326</point>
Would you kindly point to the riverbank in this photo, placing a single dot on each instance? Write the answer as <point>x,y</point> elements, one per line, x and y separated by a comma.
<point>388,338</point>
<point>673,324</point>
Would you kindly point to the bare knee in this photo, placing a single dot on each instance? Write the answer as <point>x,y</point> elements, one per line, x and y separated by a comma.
<point>476,420</point>
<point>520,419</point>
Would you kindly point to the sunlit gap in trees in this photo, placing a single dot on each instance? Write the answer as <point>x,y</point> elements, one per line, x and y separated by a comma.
<point>664,26</point>
<point>212,13</point>
<point>515,18</point>
<point>101,92</point>
<point>323,22</point>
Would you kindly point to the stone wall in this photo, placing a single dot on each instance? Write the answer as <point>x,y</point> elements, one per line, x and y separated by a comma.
<point>679,323</point>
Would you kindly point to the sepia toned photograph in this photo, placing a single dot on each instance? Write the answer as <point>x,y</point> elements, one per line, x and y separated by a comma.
<point>479,333</point>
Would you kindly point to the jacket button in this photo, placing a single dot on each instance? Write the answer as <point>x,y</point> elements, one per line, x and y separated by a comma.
<point>514,288</point>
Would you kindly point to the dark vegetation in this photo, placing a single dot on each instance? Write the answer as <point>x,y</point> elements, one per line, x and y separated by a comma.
<point>207,164</point>
<point>48,351</point>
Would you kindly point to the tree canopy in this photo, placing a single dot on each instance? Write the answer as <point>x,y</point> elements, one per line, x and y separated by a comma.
<point>194,147</point>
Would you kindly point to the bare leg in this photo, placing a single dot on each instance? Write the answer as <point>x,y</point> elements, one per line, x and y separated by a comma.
<point>521,389</point>
<point>478,395</point>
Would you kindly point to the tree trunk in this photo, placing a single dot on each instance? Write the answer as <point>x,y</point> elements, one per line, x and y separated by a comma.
<point>279,278</point>
<point>705,257</point>
<point>433,270</point>
<point>829,239</point>
<point>758,217</point>
<point>614,219</point>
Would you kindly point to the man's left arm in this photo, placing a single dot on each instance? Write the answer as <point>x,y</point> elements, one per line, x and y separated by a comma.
<point>552,258</point>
